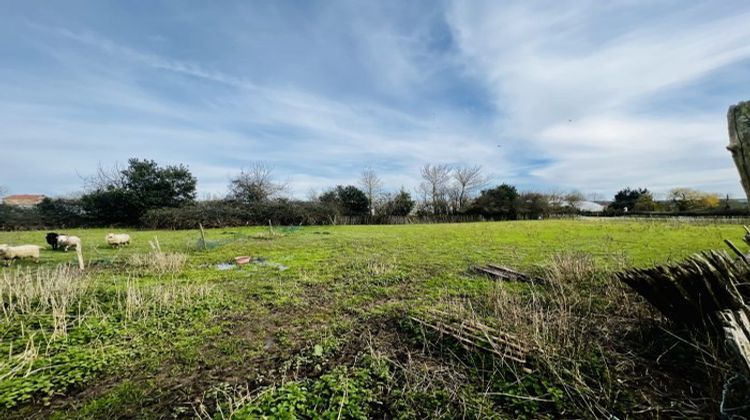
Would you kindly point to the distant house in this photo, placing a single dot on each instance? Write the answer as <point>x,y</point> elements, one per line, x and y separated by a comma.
<point>589,206</point>
<point>23,200</point>
<point>585,206</point>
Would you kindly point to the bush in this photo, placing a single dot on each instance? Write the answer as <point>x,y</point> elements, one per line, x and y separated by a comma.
<point>62,213</point>
<point>400,204</point>
<point>498,202</point>
<point>17,218</point>
<point>225,213</point>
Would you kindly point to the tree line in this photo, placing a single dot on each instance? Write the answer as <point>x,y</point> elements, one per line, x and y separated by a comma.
<point>679,200</point>
<point>149,195</point>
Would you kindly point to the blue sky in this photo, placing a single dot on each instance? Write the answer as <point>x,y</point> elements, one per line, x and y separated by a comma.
<point>556,95</point>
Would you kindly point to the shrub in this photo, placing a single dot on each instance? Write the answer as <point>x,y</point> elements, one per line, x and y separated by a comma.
<point>224,213</point>
<point>17,218</point>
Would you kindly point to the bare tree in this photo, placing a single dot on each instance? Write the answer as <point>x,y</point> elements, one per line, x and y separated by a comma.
<point>371,185</point>
<point>468,181</point>
<point>104,178</point>
<point>435,185</point>
<point>595,196</point>
<point>255,184</point>
<point>312,195</point>
<point>575,198</point>
<point>556,198</point>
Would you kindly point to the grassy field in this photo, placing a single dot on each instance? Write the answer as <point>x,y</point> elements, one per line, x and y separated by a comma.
<point>320,326</point>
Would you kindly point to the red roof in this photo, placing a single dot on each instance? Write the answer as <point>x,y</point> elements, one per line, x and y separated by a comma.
<point>23,200</point>
<point>25,197</point>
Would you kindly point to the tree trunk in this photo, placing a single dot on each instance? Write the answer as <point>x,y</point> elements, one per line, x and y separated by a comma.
<point>738,118</point>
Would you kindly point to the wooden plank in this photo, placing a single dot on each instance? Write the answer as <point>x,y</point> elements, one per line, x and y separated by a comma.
<point>480,342</point>
<point>499,272</point>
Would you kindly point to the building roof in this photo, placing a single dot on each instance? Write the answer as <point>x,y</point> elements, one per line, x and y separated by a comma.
<point>589,206</point>
<point>23,200</point>
<point>25,197</point>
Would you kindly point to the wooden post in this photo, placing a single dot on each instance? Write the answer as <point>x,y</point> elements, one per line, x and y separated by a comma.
<point>203,236</point>
<point>79,254</point>
<point>270,227</point>
<point>738,119</point>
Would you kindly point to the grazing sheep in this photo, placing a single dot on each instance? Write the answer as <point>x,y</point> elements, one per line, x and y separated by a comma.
<point>118,239</point>
<point>52,239</point>
<point>10,253</point>
<point>66,242</point>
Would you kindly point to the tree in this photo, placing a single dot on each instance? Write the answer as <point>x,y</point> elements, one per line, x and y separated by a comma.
<point>113,206</point>
<point>371,185</point>
<point>348,200</point>
<point>61,212</point>
<point>710,201</point>
<point>353,200</point>
<point>686,199</point>
<point>155,187</point>
<point>435,186</point>
<point>574,199</point>
<point>645,203</point>
<point>400,204</point>
<point>468,181</point>
<point>625,199</point>
<point>255,184</point>
<point>496,202</point>
<point>532,205</point>
<point>123,196</point>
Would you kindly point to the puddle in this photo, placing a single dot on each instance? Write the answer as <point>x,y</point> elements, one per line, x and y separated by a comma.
<point>256,261</point>
<point>281,267</point>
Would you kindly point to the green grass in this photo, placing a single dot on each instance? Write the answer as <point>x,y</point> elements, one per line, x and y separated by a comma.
<point>199,329</point>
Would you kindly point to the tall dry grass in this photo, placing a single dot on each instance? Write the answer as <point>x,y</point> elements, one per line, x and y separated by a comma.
<point>34,301</point>
<point>139,302</point>
<point>575,327</point>
<point>44,290</point>
<point>157,262</point>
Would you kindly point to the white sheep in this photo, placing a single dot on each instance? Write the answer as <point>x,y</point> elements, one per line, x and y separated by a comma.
<point>9,253</point>
<point>66,242</point>
<point>118,239</point>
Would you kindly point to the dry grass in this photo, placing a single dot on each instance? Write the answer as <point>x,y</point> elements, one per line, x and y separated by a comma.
<point>576,326</point>
<point>138,302</point>
<point>158,263</point>
<point>63,297</point>
<point>44,290</point>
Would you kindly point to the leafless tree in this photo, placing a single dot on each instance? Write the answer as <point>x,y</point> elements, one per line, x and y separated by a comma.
<point>371,185</point>
<point>255,184</point>
<point>435,186</point>
<point>104,178</point>
<point>595,196</point>
<point>575,198</point>
<point>468,181</point>
<point>556,198</point>
<point>312,195</point>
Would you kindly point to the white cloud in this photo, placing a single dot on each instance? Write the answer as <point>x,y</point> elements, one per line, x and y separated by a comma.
<point>578,93</point>
<point>574,92</point>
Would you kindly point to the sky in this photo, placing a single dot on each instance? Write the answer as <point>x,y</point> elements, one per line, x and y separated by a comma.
<point>546,95</point>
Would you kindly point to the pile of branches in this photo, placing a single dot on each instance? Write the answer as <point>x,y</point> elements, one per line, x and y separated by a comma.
<point>475,334</point>
<point>709,292</point>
